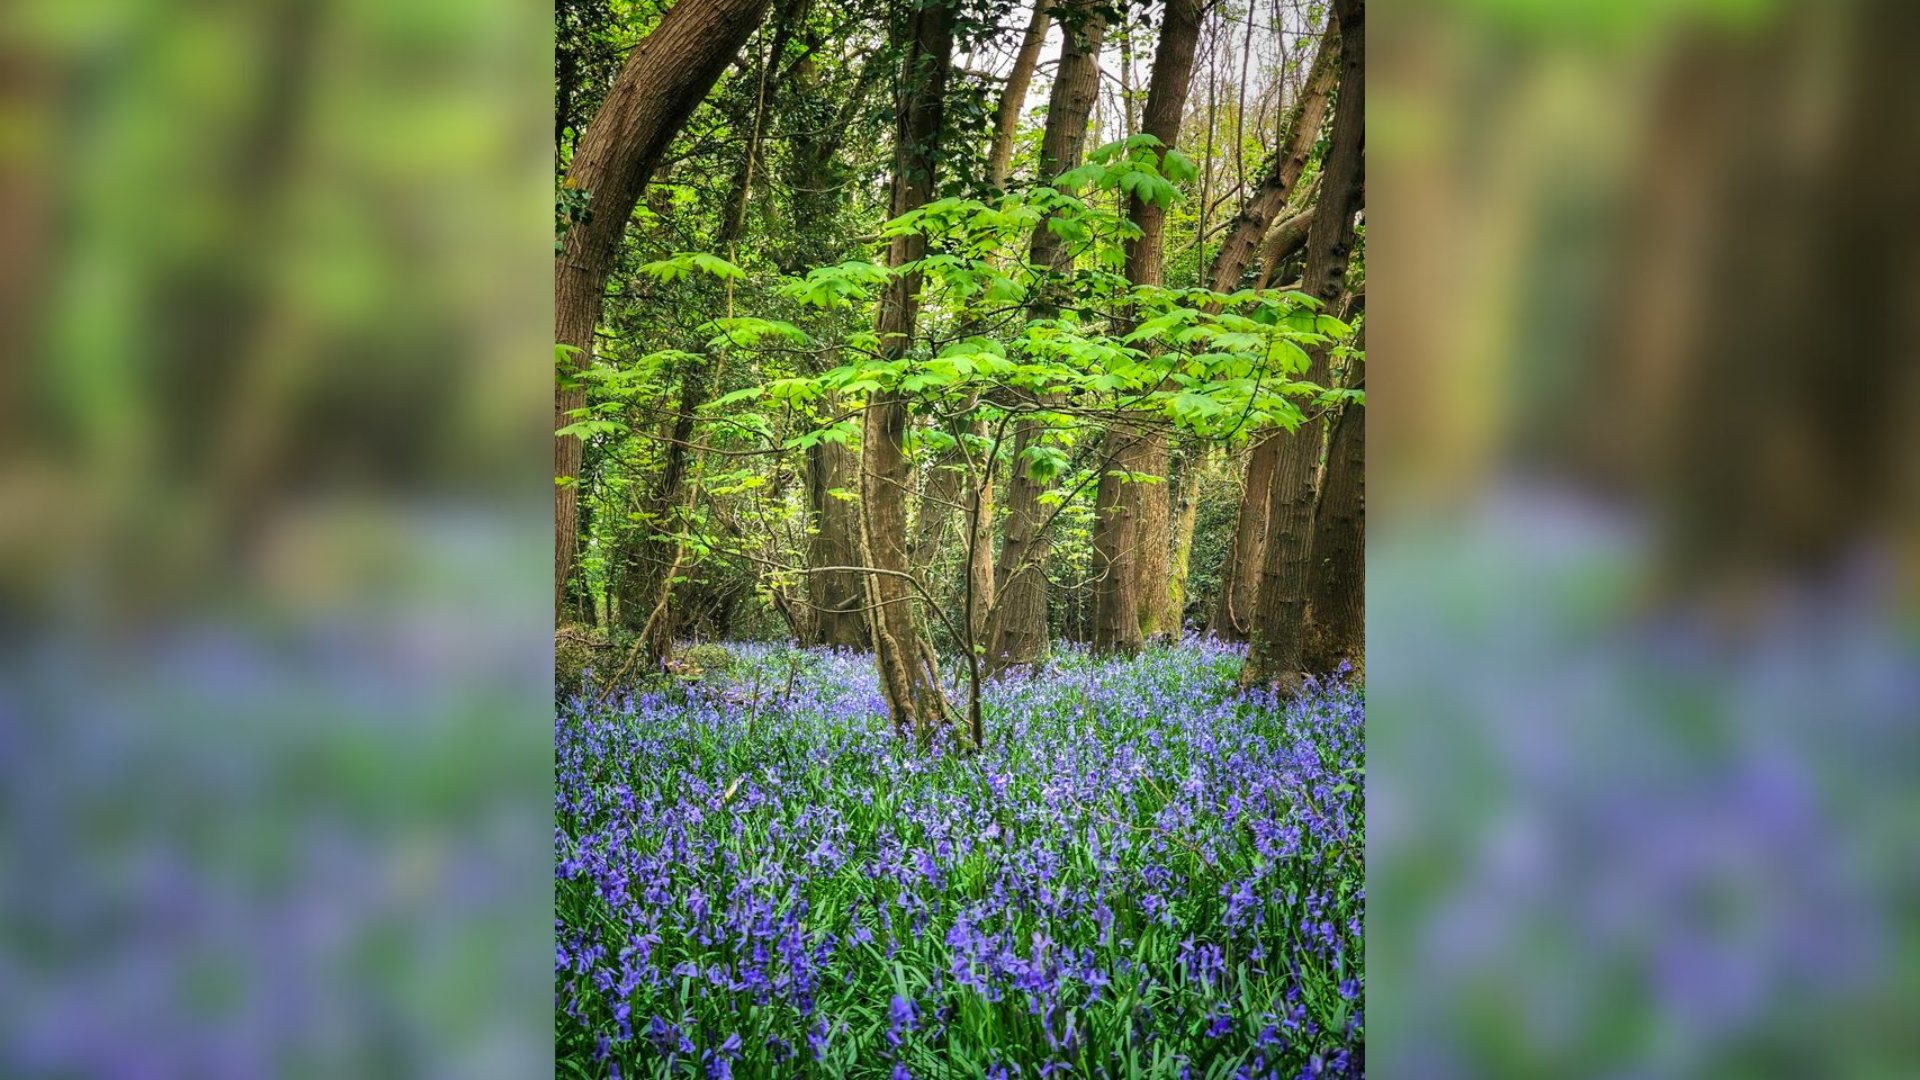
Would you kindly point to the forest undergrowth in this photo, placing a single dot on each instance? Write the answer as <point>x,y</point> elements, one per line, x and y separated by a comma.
<point>1147,872</point>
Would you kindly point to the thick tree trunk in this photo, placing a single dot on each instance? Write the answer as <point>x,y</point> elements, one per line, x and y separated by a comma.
<point>1232,618</point>
<point>1013,99</point>
<point>1017,629</point>
<point>1337,570</point>
<point>665,78</point>
<point>1301,129</point>
<point>886,485</point>
<point>1278,655</point>
<point>836,597</point>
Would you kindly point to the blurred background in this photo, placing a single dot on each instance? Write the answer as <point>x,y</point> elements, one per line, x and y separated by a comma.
<point>1646,705</point>
<point>275,769</point>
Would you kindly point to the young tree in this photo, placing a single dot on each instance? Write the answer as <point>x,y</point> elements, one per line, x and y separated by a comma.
<point>1013,99</point>
<point>1278,653</point>
<point>1017,629</point>
<point>665,78</point>
<point>1131,543</point>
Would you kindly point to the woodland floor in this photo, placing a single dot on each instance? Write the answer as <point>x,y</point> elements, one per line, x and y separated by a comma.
<point>1146,873</point>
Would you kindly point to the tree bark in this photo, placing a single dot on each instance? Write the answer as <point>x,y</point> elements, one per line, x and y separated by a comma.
<point>1337,569</point>
<point>1302,129</point>
<point>1282,244</point>
<point>1181,556</point>
<point>910,685</point>
<point>836,597</point>
<point>1232,618</point>
<point>664,79</point>
<point>1131,516</point>
<point>1278,655</point>
<point>1013,99</point>
<point>1017,629</point>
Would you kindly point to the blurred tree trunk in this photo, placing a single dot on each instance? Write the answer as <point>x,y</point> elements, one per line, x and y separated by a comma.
<point>906,677</point>
<point>1017,629</point>
<point>664,79</point>
<point>1013,99</point>
<point>1130,542</point>
<point>1278,654</point>
<point>1337,570</point>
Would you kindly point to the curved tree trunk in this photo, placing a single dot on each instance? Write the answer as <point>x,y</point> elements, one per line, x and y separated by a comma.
<point>912,689</point>
<point>1017,629</point>
<point>1130,550</point>
<point>1282,244</point>
<point>665,78</point>
<point>1278,655</point>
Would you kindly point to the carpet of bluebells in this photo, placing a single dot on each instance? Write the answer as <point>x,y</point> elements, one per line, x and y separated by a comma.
<point>1146,873</point>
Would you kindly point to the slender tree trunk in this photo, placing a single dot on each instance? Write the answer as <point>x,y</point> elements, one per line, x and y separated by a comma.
<point>1013,99</point>
<point>1301,130</point>
<point>654,554</point>
<point>1232,617</point>
<point>1278,655</point>
<point>1180,558</point>
<point>980,550</point>
<point>1337,570</point>
<point>665,78</point>
<point>1017,629</point>
<point>1131,517</point>
<point>911,686</point>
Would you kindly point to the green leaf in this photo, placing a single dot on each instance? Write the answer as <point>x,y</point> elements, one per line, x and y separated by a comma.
<point>1178,167</point>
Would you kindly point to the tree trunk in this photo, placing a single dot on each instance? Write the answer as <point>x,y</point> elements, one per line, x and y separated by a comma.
<point>1302,129</point>
<point>1278,654</point>
<point>1282,244</point>
<point>1180,559</point>
<point>980,550</point>
<point>655,555</point>
<point>911,687</point>
<point>1337,570</point>
<point>1017,629</point>
<point>836,597</point>
<point>1232,618</point>
<point>664,79</point>
<point>1130,567</point>
<point>1013,99</point>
